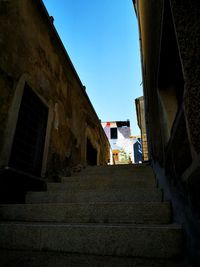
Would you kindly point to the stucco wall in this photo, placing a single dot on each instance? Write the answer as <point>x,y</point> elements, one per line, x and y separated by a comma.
<point>32,52</point>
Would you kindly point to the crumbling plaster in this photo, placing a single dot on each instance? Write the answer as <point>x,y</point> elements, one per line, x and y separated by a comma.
<point>33,49</point>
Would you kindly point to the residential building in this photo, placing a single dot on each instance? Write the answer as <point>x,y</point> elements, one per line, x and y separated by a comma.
<point>124,147</point>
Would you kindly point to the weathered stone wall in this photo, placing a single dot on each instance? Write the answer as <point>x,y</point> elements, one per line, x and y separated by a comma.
<point>150,53</point>
<point>184,132</point>
<point>187,23</point>
<point>176,148</point>
<point>32,51</point>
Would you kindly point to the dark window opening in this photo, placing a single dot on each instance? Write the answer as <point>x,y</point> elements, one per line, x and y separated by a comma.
<point>28,144</point>
<point>91,154</point>
<point>113,133</point>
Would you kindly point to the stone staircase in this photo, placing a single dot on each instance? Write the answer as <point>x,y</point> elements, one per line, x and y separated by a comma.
<point>103,216</point>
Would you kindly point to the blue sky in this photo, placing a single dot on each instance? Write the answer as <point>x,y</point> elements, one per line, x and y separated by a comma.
<point>101,38</point>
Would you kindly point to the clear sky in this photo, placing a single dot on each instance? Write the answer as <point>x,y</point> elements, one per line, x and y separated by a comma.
<point>101,38</point>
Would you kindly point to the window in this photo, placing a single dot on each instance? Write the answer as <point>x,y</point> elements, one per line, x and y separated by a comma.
<point>113,133</point>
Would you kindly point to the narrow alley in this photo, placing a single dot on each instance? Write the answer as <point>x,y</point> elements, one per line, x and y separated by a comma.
<point>72,191</point>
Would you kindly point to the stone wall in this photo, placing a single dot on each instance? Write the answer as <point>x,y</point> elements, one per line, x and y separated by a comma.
<point>32,53</point>
<point>170,50</point>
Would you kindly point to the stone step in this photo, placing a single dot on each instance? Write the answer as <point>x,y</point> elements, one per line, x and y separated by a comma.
<point>106,182</point>
<point>108,175</point>
<point>119,167</point>
<point>111,174</point>
<point>141,213</point>
<point>74,196</point>
<point>119,240</point>
<point>118,176</point>
<point>14,258</point>
<point>116,169</point>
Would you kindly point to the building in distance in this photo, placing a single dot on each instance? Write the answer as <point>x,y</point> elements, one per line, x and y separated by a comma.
<point>126,149</point>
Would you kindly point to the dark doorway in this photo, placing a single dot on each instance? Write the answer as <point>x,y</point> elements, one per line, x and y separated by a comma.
<point>91,154</point>
<point>28,144</point>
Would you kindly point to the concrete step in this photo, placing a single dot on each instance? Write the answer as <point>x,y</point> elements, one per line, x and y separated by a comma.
<point>141,213</point>
<point>74,196</point>
<point>119,240</point>
<point>15,258</point>
<point>108,175</point>
<point>106,182</point>
<point>120,175</point>
<point>118,169</point>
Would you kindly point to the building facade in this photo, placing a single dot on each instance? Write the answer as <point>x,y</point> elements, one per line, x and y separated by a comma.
<point>125,148</point>
<point>170,52</point>
<point>139,103</point>
<point>47,122</point>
